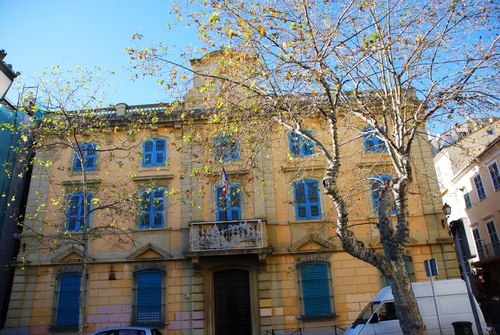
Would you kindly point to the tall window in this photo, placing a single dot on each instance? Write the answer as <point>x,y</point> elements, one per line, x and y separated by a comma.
<point>300,146</point>
<point>376,185</point>
<point>492,232</point>
<point>226,148</point>
<point>228,202</point>
<point>478,182</point>
<point>478,242</point>
<point>89,157</point>
<point>152,208</point>
<point>149,297</point>
<point>468,200</point>
<point>154,152</point>
<point>307,200</point>
<point>315,288</point>
<point>371,141</point>
<point>76,215</point>
<point>68,300</point>
<point>495,175</point>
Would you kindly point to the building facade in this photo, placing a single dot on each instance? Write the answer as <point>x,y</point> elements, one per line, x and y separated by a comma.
<point>202,242</point>
<point>467,166</point>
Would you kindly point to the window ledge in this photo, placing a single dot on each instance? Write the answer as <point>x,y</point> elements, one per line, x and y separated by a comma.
<point>63,329</point>
<point>319,317</point>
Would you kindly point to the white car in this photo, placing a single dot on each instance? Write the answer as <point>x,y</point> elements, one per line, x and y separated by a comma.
<point>131,330</point>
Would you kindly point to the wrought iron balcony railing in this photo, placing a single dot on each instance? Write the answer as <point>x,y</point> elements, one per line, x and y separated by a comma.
<point>227,235</point>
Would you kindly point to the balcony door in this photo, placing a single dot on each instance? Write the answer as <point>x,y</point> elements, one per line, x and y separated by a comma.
<point>232,302</point>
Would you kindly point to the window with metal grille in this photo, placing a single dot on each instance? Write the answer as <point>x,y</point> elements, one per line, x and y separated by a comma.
<point>228,202</point>
<point>371,141</point>
<point>154,152</point>
<point>495,175</point>
<point>226,148</point>
<point>478,182</point>
<point>89,157</point>
<point>68,300</point>
<point>315,285</point>
<point>307,200</point>
<point>149,297</point>
<point>299,145</point>
<point>76,215</point>
<point>152,208</point>
<point>377,184</point>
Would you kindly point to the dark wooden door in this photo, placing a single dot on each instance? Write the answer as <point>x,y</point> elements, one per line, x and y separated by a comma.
<point>232,303</point>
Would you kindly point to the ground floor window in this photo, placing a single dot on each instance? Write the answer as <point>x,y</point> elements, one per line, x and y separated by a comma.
<point>67,300</point>
<point>149,297</point>
<point>315,289</point>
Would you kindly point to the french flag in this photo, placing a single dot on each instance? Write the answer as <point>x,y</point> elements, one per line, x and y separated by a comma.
<point>224,183</point>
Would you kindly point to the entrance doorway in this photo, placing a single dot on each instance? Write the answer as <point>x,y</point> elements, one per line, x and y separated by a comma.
<point>232,302</point>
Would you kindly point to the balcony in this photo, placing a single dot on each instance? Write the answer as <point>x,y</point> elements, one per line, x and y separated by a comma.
<point>227,235</point>
<point>226,238</point>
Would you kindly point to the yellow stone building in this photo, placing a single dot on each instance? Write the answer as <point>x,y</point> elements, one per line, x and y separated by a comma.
<point>251,250</point>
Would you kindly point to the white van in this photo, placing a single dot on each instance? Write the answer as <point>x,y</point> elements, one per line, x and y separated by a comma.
<point>379,316</point>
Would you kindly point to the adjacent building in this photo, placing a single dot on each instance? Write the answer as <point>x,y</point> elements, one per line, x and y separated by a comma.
<point>467,166</point>
<point>201,241</point>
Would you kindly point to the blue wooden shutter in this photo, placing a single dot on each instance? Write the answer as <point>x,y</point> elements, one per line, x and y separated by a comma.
<point>294,141</point>
<point>149,297</point>
<point>316,289</point>
<point>69,300</point>
<point>89,157</point>
<point>371,141</point>
<point>226,148</point>
<point>478,181</point>
<point>76,214</point>
<point>152,208</point>
<point>495,175</point>
<point>307,201</point>
<point>300,146</point>
<point>376,186</point>
<point>407,267</point>
<point>160,151</point>
<point>229,206</point>
<point>147,154</point>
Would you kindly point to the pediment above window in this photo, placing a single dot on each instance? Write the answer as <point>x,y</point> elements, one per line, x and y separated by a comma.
<point>311,243</point>
<point>71,255</point>
<point>149,252</point>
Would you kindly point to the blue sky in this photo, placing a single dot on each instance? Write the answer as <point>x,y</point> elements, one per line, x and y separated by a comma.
<point>87,33</point>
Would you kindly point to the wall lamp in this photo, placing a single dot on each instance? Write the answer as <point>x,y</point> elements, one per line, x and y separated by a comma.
<point>446,212</point>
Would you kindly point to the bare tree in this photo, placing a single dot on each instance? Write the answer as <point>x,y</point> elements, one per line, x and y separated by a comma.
<point>394,65</point>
